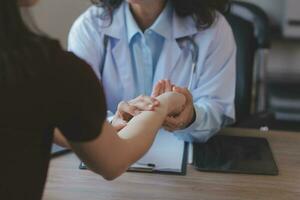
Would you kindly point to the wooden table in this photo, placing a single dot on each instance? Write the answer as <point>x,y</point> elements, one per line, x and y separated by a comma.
<point>66,182</point>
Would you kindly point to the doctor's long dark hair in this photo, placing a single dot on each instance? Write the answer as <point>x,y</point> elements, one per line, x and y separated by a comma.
<point>203,11</point>
<point>19,46</point>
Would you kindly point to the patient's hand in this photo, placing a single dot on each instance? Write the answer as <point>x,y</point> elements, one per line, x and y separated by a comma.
<point>128,109</point>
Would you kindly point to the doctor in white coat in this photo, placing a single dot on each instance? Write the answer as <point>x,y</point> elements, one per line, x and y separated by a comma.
<point>133,44</point>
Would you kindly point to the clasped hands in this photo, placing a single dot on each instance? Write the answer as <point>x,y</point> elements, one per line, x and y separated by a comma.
<point>174,121</point>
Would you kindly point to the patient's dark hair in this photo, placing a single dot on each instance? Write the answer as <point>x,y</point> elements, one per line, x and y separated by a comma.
<point>203,11</point>
<point>19,46</point>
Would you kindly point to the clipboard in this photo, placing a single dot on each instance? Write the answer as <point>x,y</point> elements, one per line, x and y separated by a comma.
<point>168,155</point>
<point>152,168</point>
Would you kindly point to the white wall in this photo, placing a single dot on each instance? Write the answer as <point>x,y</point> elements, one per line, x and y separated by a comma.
<point>55,17</point>
<point>285,54</point>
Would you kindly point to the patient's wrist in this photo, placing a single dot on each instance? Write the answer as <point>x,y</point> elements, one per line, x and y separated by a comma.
<point>172,101</point>
<point>164,105</point>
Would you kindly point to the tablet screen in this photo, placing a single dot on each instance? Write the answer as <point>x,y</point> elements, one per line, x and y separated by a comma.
<point>234,154</point>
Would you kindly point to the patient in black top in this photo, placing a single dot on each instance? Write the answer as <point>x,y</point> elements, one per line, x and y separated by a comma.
<point>43,87</point>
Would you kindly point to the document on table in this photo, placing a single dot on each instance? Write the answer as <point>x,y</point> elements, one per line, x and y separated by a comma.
<point>168,154</point>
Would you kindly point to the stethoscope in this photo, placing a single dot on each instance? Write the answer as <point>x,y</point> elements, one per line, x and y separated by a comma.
<point>193,48</point>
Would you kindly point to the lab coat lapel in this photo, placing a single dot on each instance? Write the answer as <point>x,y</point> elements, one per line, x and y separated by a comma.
<point>121,52</point>
<point>172,52</point>
<point>122,58</point>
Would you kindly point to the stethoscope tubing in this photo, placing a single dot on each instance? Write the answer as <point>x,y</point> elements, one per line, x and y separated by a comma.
<point>194,50</point>
<point>195,54</point>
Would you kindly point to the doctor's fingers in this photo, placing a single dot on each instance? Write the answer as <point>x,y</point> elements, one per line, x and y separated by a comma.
<point>169,126</point>
<point>169,129</point>
<point>188,95</point>
<point>175,123</point>
<point>158,89</point>
<point>161,87</point>
<point>168,86</point>
<point>144,103</point>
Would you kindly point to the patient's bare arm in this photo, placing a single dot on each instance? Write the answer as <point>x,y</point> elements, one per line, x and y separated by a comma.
<point>60,140</point>
<point>112,153</point>
<point>170,102</point>
<point>126,110</point>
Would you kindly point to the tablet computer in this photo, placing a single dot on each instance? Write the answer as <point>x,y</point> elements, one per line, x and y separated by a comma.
<point>233,154</point>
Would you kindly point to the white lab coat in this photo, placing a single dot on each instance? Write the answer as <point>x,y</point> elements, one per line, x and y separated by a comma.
<point>213,87</point>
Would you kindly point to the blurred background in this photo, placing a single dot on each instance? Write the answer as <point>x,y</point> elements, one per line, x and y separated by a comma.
<point>283,67</point>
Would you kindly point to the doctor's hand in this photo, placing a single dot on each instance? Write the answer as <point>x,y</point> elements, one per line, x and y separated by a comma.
<point>128,109</point>
<point>183,119</point>
<point>161,87</point>
<point>186,117</point>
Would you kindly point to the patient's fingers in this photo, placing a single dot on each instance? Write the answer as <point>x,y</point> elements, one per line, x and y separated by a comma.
<point>125,107</point>
<point>144,103</point>
<point>118,123</point>
<point>127,110</point>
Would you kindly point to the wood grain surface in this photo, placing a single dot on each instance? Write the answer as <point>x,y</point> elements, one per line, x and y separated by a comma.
<point>67,182</point>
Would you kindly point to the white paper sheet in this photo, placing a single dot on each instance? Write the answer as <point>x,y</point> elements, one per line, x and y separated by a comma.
<point>166,154</point>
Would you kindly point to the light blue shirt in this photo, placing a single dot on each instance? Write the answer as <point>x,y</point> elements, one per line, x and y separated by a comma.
<point>135,62</point>
<point>146,47</point>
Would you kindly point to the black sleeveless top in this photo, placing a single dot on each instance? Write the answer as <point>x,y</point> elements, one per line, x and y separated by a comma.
<point>35,97</point>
